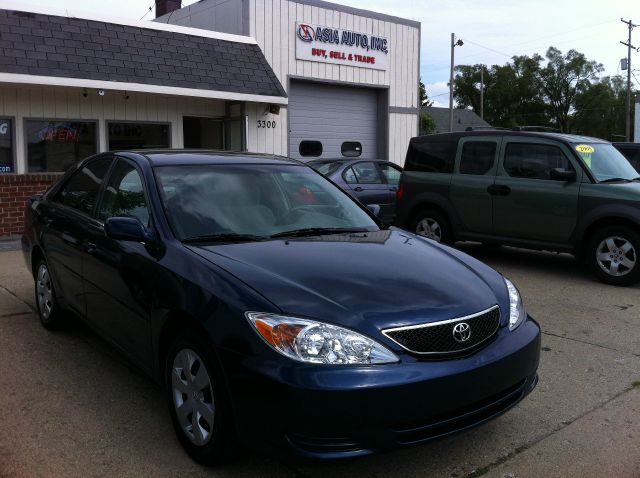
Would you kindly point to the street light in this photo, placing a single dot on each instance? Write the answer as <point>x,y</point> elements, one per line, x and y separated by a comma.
<point>454,44</point>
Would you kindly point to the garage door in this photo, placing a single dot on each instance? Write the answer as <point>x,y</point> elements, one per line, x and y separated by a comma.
<point>333,115</point>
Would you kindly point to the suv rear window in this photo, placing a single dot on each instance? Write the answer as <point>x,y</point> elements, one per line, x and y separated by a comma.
<point>431,156</point>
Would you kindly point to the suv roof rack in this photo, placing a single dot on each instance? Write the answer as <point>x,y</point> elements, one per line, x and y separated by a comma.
<point>484,128</point>
<point>540,129</point>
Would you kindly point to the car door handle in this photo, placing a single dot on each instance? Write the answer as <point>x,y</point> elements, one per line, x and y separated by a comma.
<point>394,189</point>
<point>90,247</point>
<point>499,190</point>
<point>67,238</point>
<point>358,189</point>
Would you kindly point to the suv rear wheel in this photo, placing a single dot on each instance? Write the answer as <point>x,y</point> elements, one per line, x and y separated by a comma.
<point>613,255</point>
<point>432,224</point>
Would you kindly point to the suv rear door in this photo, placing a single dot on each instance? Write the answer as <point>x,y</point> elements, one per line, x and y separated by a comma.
<point>474,175</point>
<point>527,204</point>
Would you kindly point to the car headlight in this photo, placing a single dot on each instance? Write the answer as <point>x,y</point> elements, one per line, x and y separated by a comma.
<point>517,313</point>
<point>316,342</point>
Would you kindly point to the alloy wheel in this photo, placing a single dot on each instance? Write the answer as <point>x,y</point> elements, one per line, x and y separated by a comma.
<point>429,228</point>
<point>193,396</point>
<point>44,292</point>
<point>616,256</point>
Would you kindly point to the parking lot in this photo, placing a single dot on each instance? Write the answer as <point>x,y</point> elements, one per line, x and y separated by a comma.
<point>70,407</point>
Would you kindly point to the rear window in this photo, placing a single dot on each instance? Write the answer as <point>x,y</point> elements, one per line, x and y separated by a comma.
<point>325,167</point>
<point>431,157</point>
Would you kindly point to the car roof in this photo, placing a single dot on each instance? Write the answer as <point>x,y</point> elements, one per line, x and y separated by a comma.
<point>183,157</point>
<point>345,160</point>
<point>568,138</point>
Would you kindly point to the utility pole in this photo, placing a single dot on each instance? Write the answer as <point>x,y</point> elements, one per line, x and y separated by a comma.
<point>481,91</point>
<point>454,43</point>
<point>630,26</point>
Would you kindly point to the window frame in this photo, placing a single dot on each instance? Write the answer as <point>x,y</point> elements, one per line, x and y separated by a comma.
<point>14,144</point>
<point>25,140</point>
<point>145,189</point>
<point>379,164</point>
<point>311,141</point>
<point>355,163</point>
<point>115,121</point>
<point>507,140</point>
<point>497,160</point>
<point>56,193</point>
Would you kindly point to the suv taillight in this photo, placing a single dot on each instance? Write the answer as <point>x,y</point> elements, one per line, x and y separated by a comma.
<point>400,191</point>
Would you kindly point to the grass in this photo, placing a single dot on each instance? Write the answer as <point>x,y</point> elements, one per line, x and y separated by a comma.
<point>635,384</point>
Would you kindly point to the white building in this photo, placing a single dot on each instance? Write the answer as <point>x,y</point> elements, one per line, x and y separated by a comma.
<point>351,75</point>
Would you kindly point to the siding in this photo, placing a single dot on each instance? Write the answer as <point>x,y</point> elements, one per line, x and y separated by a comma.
<point>69,103</point>
<point>272,24</point>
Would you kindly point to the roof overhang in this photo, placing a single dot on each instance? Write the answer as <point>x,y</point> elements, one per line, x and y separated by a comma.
<point>13,78</point>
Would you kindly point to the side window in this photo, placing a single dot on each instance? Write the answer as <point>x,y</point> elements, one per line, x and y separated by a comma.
<point>366,173</point>
<point>81,191</point>
<point>124,195</point>
<point>477,157</point>
<point>430,156</point>
<point>391,173</point>
<point>349,176</point>
<point>533,161</point>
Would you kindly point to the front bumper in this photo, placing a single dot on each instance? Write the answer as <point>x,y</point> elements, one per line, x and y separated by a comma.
<point>337,412</point>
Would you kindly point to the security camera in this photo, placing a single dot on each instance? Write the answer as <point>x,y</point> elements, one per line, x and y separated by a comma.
<point>101,92</point>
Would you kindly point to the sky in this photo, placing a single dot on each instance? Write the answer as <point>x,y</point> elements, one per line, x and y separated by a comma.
<point>492,30</point>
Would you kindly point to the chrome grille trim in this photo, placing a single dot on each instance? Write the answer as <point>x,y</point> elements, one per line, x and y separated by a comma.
<point>444,322</point>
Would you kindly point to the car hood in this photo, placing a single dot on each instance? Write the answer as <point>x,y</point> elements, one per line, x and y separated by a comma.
<point>367,281</point>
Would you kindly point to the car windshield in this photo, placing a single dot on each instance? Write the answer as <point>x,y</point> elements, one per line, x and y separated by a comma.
<point>605,162</point>
<point>254,202</point>
<point>325,167</point>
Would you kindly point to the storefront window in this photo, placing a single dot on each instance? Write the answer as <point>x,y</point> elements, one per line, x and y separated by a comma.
<point>6,146</point>
<point>123,136</point>
<point>56,145</point>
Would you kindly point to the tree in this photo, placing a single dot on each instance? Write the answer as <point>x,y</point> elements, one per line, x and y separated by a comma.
<point>424,99</point>
<point>564,77</point>
<point>600,109</point>
<point>427,124</point>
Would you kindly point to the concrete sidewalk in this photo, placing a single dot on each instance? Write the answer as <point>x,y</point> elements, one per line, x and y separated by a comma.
<point>70,407</point>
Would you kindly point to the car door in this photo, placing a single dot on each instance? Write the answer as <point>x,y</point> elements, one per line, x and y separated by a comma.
<point>365,183</point>
<point>527,203</point>
<point>391,174</point>
<point>65,229</point>
<point>119,275</point>
<point>474,175</point>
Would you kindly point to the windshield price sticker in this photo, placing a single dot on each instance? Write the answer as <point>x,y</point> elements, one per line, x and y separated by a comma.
<point>585,149</point>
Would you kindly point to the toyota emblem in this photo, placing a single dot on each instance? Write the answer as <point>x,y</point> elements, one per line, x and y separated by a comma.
<point>462,332</point>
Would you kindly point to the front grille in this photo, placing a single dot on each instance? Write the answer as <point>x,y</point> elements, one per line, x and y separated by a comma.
<point>323,444</point>
<point>439,338</point>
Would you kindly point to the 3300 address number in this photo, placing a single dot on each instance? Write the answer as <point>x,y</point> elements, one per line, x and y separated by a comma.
<point>266,124</point>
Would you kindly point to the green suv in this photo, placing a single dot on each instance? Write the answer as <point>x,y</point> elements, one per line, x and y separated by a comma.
<point>545,191</point>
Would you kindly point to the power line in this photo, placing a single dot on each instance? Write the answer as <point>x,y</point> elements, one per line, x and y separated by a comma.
<point>147,12</point>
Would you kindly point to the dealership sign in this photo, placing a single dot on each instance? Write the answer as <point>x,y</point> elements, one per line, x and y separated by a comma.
<point>341,47</point>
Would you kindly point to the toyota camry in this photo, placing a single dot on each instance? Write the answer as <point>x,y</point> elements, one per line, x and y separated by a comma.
<point>273,308</point>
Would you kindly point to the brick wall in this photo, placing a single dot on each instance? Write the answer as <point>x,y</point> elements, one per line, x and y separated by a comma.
<point>15,189</point>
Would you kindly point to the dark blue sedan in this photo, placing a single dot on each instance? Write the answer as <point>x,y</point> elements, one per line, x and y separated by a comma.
<point>273,309</point>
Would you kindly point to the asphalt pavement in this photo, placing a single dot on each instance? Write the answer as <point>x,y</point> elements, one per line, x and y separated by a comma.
<point>69,406</point>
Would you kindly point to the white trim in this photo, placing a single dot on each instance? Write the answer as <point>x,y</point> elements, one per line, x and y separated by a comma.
<point>45,10</point>
<point>138,87</point>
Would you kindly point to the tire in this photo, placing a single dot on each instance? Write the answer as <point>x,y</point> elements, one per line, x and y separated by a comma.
<point>613,255</point>
<point>432,224</point>
<point>211,439</point>
<point>49,311</point>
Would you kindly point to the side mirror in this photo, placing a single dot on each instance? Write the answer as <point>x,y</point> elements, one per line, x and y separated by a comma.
<point>560,174</point>
<point>374,208</point>
<point>127,229</point>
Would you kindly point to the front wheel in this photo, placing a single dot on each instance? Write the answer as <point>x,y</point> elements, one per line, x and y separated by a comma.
<point>613,255</point>
<point>49,312</point>
<point>198,402</point>
<point>432,224</point>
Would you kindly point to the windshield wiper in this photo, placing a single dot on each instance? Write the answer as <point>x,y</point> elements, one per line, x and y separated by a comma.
<point>316,231</point>
<point>226,237</point>
<point>616,180</point>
